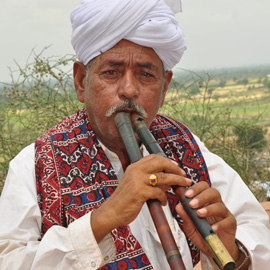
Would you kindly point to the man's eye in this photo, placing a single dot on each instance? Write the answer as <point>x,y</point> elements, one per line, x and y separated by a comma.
<point>146,74</point>
<point>110,72</point>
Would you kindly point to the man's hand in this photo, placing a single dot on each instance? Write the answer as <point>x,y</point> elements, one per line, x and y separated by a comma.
<point>210,206</point>
<point>134,190</point>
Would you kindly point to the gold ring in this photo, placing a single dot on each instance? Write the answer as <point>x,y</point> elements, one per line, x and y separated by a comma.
<point>153,180</point>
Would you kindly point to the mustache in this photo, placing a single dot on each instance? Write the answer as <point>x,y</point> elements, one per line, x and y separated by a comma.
<point>127,104</point>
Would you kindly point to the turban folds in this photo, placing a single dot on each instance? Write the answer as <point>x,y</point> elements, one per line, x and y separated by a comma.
<point>98,25</point>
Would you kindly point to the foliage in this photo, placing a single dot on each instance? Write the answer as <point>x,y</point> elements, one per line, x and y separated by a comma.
<point>250,136</point>
<point>237,138</point>
<point>194,90</point>
<point>40,96</point>
<point>266,83</point>
<point>222,83</point>
<point>243,81</point>
<point>235,74</point>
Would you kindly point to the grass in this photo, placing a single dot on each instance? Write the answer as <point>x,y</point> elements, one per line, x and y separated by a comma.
<point>243,103</point>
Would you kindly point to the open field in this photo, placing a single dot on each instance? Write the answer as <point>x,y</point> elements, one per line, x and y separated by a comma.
<point>251,100</point>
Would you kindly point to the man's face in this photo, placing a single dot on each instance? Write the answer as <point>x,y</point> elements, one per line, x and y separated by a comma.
<point>125,72</point>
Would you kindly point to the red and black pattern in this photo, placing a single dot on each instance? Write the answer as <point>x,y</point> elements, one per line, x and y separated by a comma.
<point>74,177</point>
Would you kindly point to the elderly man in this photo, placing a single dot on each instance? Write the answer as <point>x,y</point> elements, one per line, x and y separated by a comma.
<point>73,201</point>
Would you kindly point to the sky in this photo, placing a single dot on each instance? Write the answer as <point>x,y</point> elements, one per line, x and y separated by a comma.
<point>229,33</point>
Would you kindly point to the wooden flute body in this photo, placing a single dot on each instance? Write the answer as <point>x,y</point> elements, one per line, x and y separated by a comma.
<point>123,123</point>
<point>126,124</point>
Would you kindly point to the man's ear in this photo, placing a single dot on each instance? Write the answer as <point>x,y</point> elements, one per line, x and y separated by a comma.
<point>79,76</point>
<point>167,79</point>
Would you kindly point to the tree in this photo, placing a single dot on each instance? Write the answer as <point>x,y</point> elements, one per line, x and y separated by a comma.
<point>194,90</point>
<point>243,81</point>
<point>250,136</point>
<point>268,84</point>
<point>222,83</point>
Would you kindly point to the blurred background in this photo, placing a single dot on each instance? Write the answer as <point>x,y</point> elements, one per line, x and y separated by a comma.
<point>219,33</point>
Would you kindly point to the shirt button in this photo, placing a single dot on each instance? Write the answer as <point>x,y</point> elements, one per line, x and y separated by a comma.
<point>106,258</point>
<point>93,264</point>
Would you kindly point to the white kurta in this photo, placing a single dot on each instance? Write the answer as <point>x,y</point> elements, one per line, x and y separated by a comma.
<point>75,247</point>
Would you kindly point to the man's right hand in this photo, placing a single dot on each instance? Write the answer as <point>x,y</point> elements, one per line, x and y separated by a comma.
<point>134,190</point>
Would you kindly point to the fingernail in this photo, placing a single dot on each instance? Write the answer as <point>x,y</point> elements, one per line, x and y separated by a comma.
<point>214,227</point>
<point>183,171</point>
<point>202,211</point>
<point>189,193</point>
<point>193,203</point>
<point>188,181</point>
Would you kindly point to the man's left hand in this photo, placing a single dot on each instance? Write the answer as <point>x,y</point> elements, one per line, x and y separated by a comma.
<point>210,206</point>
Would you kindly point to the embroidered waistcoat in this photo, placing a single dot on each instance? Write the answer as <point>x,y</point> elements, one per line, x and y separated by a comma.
<point>74,177</point>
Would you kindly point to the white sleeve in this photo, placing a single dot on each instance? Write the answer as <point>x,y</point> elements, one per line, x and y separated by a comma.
<point>74,247</point>
<point>252,220</point>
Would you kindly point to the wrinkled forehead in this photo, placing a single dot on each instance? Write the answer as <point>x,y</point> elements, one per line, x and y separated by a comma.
<point>126,53</point>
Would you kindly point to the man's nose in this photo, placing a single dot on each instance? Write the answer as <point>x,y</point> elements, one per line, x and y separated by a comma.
<point>128,87</point>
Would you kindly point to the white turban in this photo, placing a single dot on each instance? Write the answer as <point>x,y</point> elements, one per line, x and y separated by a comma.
<point>98,25</point>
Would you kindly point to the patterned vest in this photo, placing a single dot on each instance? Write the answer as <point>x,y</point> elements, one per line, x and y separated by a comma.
<point>74,176</point>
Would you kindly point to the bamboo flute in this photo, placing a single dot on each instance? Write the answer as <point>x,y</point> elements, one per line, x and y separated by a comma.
<point>220,253</point>
<point>123,123</point>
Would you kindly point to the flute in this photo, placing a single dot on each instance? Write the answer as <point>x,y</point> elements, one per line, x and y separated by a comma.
<point>219,252</point>
<point>173,256</point>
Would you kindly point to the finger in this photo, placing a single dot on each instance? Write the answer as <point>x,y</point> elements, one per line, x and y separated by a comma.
<point>217,209</point>
<point>219,216</point>
<point>206,197</point>
<point>156,193</point>
<point>190,230</point>
<point>183,214</point>
<point>227,224</point>
<point>155,163</point>
<point>167,180</point>
<point>197,189</point>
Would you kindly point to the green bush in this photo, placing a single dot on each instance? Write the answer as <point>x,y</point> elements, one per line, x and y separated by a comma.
<point>250,136</point>
<point>39,97</point>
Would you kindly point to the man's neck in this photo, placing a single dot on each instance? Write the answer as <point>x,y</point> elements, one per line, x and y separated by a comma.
<point>121,154</point>
<point>124,159</point>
